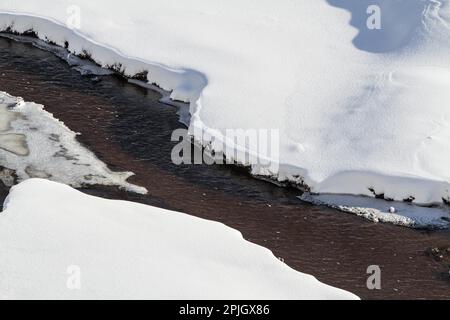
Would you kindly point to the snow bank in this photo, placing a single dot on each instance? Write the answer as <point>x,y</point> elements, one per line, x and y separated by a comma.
<point>131,251</point>
<point>359,111</point>
<point>33,144</point>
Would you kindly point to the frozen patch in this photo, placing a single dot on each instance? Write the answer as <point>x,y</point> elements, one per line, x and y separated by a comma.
<point>379,210</point>
<point>33,144</point>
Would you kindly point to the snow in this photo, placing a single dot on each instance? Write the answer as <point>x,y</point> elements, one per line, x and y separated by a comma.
<point>358,111</point>
<point>379,210</point>
<point>35,144</point>
<point>50,233</point>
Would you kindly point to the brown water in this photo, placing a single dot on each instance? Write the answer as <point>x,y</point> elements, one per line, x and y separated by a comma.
<point>129,129</point>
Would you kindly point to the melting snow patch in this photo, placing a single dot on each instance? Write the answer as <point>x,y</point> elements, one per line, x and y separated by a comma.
<point>378,210</point>
<point>34,144</point>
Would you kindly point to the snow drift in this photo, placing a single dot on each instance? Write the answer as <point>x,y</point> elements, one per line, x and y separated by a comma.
<point>359,111</point>
<point>125,250</point>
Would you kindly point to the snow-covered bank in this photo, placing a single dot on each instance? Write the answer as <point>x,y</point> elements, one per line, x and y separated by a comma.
<point>127,250</point>
<point>359,111</point>
<point>33,144</point>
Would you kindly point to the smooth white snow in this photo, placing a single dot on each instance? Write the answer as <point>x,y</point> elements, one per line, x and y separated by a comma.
<point>359,111</point>
<point>50,233</point>
<point>35,144</point>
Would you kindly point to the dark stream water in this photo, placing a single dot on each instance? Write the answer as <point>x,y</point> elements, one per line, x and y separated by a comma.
<point>127,128</point>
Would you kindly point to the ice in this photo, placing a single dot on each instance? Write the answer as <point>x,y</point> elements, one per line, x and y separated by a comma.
<point>14,143</point>
<point>6,116</point>
<point>125,250</point>
<point>378,210</point>
<point>34,144</point>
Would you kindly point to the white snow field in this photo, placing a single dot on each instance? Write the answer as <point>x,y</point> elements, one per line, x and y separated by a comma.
<point>359,111</point>
<point>59,243</point>
<point>33,144</point>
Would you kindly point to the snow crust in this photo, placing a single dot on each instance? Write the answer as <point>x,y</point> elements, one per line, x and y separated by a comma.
<point>378,210</point>
<point>33,144</point>
<point>359,111</point>
<point>125,250</point>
